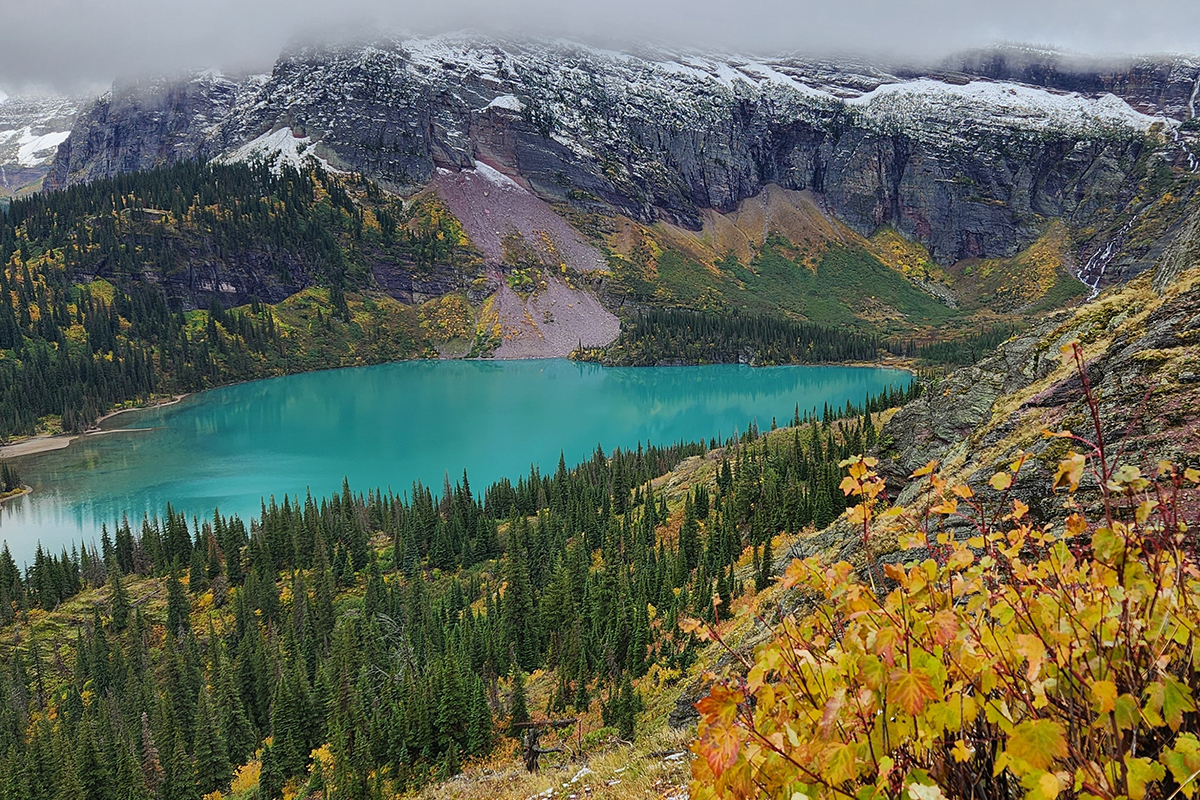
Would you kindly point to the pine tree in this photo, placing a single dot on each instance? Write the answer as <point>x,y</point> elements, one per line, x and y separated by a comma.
<point>452,716</point>
<point>235,728</point>
<point>479,729</point>
<point>93,769</point>
<point>622,709</point>
<point>518,615</point>
<point>68,784</point>
<point>689,537</point>
<point>179,777</point>
<point>208,749</point>
<point>518,711</point>
<point>178,607</point>
<point>764,577</point>
<point>270,778</point>
<point>118,601</point>
<point>290,742</point>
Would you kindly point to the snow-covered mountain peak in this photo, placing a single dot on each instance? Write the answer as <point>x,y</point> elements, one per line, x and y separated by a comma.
<point>954,155</point>
<point>685,85</point>
<point>996,105</point>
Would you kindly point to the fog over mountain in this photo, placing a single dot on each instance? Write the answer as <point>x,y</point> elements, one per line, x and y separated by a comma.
<point>80,45</point>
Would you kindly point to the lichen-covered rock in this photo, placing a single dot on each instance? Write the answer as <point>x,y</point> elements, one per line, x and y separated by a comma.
<point>1181,254</point>
<point>1141,348</point>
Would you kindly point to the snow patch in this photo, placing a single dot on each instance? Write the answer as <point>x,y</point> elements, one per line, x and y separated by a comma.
<point>1002,104</point>
<point>767,73</point>
<point>496,178</point>
<point>3,96</point>
<point>280,149</point>
<point>34,151</point>
<point>508,102</point>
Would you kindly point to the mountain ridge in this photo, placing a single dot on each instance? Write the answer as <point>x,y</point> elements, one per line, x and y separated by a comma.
<point>963,164</point>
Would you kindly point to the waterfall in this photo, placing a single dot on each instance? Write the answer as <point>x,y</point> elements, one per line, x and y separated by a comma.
<point>1192,100</point>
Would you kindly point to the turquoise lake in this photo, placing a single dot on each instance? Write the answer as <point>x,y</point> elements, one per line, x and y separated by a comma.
<point>391,425</point>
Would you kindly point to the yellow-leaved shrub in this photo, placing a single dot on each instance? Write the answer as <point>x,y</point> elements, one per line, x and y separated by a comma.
<point>1021,661</point>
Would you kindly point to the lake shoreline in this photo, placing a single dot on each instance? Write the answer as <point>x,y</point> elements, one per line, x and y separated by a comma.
<point>14,495</point>
<point>398,425</point>
<point>36,445</point>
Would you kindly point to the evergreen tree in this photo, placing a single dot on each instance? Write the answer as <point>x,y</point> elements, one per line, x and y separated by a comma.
<point>92,767</point>
<point>118,601</point>
<point>211,759</point>
<point>271,777</point>
<point>178,607</point>
<point>622,709</point>
<point>518,711</point>
<point>479,729</point>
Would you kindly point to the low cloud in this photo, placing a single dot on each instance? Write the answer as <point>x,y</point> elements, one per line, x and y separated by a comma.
<point>81,45</point>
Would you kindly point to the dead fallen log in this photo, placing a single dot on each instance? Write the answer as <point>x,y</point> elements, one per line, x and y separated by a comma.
<point>531,751</point>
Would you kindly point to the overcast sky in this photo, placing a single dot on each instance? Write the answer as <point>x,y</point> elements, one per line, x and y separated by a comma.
<point>85,44</point>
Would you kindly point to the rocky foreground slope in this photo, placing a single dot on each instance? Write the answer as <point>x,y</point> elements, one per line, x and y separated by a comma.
<point>968,159</point>
<point>1141,346</point>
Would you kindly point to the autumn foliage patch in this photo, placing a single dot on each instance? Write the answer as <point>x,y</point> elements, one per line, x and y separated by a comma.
<point>1020,661</point>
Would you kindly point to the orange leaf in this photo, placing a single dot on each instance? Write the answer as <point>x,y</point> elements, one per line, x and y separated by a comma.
<point>795,573</point>
<point>885,644</point>
<point>1019,510</point>
<point>944,626</point>
<point>721,744</point>
<point>1070,471</point>
<point>1032,648</point>
<point>912,690</point>
<point>830,713</point>
<point>720,704</point>
<point>925,470</point>
<point>1104,693</point>
<point>946,507</point>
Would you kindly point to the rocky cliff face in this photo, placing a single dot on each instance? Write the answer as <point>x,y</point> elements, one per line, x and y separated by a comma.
<point>968,167</point>
<point>143,125</point>
<point>1141,344</point>
<point>31,129</point>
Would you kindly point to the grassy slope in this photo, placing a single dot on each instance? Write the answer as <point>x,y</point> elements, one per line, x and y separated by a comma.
<point>781,253</point>
<point>1035,280</point>
<point>846,285</point>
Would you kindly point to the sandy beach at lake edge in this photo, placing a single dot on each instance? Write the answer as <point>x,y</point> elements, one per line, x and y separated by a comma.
<point>46,444</point>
